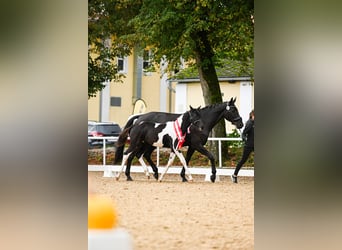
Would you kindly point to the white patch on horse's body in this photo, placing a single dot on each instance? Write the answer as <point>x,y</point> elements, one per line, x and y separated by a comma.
<point>168,130</point>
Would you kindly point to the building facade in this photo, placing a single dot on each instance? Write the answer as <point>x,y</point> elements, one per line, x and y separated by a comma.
<point>143,91</point>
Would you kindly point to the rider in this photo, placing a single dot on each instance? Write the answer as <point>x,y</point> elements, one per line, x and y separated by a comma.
<point>248,138</point>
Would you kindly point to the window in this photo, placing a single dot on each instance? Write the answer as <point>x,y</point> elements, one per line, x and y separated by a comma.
<point>115,101</point>
<point>146,59</point>
<point>122,64</point>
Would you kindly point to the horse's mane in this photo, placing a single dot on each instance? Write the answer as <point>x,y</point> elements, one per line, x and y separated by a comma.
<point>214,105</point>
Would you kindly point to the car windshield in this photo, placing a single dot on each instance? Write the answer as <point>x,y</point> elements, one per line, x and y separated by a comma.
<point>91,127</point>
<point>108,129</point>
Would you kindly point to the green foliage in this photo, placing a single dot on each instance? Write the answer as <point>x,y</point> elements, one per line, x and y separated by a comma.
<point>235,144</point>
<point>224,68</point>
<point>107,19</point>
<point>174,27</point>
<point>100,70</point>
<point>199,31</point>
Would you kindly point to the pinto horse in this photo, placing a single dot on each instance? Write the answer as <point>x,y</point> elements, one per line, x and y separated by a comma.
<point>212,114</point>
<point>170,134</point>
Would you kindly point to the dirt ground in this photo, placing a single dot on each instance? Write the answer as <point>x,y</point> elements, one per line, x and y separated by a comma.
<point>174,215</point>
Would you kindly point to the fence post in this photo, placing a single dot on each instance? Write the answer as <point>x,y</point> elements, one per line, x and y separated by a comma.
<point>104,152</point>
<point>158,156</point>
<point>220,153</point>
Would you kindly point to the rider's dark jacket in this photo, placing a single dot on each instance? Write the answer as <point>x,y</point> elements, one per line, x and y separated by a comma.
<point>248,133</point>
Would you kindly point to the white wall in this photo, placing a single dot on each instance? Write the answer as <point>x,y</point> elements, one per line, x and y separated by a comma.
<point>105,103</point>
<point>181,98</point>
<point>246,98</point>
<point>163,91</point>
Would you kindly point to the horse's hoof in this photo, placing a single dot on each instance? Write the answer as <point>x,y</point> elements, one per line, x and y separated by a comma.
<point>191,180</point>
<point>117,178</point>
<point>148,177</point>
<point>129,179</point>
<point>184,180</point>
<point>156,176</point>
<point>213,178</point>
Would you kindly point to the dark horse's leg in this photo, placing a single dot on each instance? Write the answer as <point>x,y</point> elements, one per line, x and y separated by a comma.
<point>139,156</point>
<point>128,166</point>
<point>189,154</point>
<point>205,152</point>
<point>138,152</point>
<point>147,156</point>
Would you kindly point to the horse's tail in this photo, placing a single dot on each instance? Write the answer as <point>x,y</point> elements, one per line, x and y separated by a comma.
<point>120,144</point>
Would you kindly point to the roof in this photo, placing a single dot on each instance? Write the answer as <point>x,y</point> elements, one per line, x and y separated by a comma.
<point>226,71</point>
<point>101,123</point>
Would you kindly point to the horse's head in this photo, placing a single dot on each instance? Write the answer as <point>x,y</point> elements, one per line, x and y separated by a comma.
<point>195,118</point>
<point>232,114</point>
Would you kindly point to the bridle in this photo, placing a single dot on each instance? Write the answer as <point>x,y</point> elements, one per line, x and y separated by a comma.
<point>192,123</point>
<point>191,118</point>
<point>236,118</point>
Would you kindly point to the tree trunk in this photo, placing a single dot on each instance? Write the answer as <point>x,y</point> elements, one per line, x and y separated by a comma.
<point>210,88</point>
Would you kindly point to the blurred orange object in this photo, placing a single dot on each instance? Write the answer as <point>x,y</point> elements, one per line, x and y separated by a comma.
<point>101,213</point>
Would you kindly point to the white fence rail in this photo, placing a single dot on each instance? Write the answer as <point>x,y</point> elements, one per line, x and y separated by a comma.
<point>111,138</point>
<point>108,169</point>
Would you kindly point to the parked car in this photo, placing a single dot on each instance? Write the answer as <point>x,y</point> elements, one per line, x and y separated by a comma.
<point>99,129</point>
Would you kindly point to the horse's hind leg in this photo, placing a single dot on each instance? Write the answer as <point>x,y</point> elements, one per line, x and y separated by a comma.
<point>155,169</point>
<point>128,167</point>
<point>124,159</point>
<point>147,156</point>
<point>139,155</point>
<point>153,166</point>
<point>144,166</point>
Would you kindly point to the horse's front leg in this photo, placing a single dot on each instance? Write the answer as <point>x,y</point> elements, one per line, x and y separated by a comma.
<point>171,159</point>
<point>205,152</point>
<point>181,158</point>
<point>188,156</point>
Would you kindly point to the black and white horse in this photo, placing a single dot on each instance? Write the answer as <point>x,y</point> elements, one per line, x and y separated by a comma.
<point>211,116</point>
<point>170,134</point>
